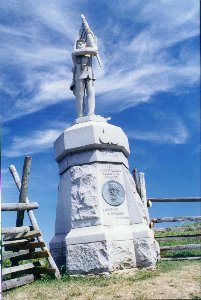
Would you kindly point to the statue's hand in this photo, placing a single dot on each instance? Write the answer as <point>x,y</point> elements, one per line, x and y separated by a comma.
<point>85,51</point>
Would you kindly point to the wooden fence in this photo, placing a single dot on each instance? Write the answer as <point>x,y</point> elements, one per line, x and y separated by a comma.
<point>23,243</point>
<point>193,232</point>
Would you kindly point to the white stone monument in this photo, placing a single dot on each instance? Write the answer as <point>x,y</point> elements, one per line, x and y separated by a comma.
<point>102,224</point>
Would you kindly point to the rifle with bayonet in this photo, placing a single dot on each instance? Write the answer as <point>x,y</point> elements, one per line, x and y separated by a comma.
<point>89,37</point>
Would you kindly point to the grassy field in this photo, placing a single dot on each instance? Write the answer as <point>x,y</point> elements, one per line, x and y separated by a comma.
<point>170,280</point>
<point>183,253</point>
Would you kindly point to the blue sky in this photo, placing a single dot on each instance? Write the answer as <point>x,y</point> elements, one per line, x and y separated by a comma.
<point>149,86</point>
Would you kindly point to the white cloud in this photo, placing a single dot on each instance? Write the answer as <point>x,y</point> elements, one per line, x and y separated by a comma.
<point>37,141</point>
<point>49,92</point>
<point>56,16</point>
<point>175,133</point>
<point>49,89</point>
<point>139,85</point>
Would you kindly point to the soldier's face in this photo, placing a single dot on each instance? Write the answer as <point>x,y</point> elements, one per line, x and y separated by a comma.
<point>80,45</point>
<point>113,191</point>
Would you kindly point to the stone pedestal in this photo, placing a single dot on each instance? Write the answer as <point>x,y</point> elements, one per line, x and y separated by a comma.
<point>101,221</point>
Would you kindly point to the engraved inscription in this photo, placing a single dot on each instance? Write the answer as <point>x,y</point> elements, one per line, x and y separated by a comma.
<point>113,193</point>
<point>109,153</point>
<point>111,172</point>
<point>114,212</point>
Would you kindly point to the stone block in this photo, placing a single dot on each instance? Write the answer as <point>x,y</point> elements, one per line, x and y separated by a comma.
<point>147,252</point>
<point>87,258</point>
<point>91,156</point>
<point>100,257</point>
<point>91,135</point>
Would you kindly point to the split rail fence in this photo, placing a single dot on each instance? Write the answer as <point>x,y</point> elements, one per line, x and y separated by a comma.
<point>23,243</point>
<point>180,233</point>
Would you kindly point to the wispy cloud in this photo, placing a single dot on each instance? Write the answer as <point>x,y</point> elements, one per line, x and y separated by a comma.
<point>139,59</point>
<point>173,134</point>
<point>38,141</point>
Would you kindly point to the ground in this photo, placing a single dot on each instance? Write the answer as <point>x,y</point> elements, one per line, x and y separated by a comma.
<point>171,280</point>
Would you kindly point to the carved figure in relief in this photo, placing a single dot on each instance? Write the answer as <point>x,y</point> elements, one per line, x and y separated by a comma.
<point>114,191</point>
<point>83,76</point>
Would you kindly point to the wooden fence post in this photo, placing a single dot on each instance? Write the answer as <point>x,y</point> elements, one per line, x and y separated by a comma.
<point>34,222</point>
<point>144,194</point>
<point>23,189</point>
<point>137,182</point>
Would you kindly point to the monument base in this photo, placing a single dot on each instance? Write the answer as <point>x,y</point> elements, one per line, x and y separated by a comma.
<point>99,249</point>
<point>102,223</point>
<point>108,248</point>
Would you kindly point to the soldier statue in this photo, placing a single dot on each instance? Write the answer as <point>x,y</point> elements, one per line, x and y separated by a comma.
<point>83,76</point>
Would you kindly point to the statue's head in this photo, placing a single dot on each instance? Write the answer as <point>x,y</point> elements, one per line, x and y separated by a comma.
<point>80,44</point>
<point>113,191</point>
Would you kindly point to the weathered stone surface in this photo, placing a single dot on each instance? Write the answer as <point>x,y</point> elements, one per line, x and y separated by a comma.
<point>147,252</point>
<point>87,258</point>
<point>84,192</point>
<point>100,257</point>
<point>121,254</point>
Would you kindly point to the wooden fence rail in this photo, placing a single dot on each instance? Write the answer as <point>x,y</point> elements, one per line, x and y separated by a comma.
<point>181,247</point>
<point>183,199</point>
<point>175,219</point>
<point>178,228</point>
<point>178,237</point>
<point>181,258</point>
<point>16,229</point>
<point>194,236</point>
<point>18,206</point>
<point>12,283</point>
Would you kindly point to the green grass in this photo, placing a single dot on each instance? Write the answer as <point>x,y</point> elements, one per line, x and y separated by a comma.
<point>180,253</point>
<point>101,281</point>
<point>191,225</point>
<point>110,287</point>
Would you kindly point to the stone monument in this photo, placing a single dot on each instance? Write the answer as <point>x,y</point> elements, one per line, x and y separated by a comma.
<point>102,223</point>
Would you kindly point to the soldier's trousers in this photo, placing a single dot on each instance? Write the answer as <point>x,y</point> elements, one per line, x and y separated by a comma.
<point>82,86</point>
